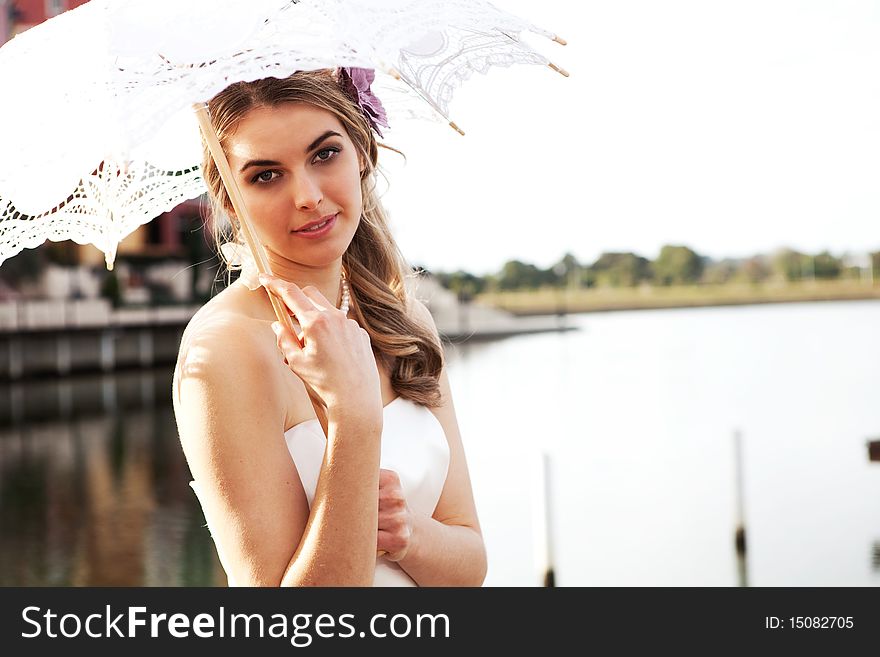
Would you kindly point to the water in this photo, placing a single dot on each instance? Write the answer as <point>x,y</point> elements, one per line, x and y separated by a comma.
<point>636,411</point>
<point>101,501</point>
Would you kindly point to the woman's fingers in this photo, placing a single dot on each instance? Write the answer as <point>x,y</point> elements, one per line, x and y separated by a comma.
<point>288,343</point>
<point>388,477</point>
<point>320,301</point>
<point>335,357</point>
<point>291,295</point>
<point>309,297</point>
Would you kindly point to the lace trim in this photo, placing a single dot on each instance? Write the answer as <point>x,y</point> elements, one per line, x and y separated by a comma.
<point>104,208</point>
<point>240,259</point>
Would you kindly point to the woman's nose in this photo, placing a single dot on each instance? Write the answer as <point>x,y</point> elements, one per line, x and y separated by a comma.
<point>306,193</point>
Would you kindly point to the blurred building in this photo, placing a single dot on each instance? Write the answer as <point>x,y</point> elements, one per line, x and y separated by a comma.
<point>5,20</point>
<point>19,15</point>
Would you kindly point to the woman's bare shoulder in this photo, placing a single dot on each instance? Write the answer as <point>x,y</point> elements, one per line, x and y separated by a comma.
<point>228,350</point>
<point>224,336</point>
<point>226,321</point>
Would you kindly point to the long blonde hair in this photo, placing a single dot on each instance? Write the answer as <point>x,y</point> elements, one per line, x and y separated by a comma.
<point>375,267</point>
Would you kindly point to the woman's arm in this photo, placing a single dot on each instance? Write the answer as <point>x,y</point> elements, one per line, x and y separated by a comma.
<point>231,417</point>
<point>447,549</point>
<point>346,497</point>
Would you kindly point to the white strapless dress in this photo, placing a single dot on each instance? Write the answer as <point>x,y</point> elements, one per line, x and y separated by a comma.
<point>413,445</point>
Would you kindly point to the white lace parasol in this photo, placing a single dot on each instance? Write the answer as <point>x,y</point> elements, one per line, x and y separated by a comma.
<point>97,129</point>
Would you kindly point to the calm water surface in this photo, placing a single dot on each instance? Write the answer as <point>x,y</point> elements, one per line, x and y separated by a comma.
<point>636,412</point>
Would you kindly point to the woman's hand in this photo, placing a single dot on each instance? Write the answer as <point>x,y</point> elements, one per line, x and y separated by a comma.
<point>395,520</point>
<point>335,359</point>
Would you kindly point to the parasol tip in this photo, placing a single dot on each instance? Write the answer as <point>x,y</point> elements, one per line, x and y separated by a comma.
<point>110,258</point>
<point>456,128</point>
<point>558,39</point>
<point>559,70</point>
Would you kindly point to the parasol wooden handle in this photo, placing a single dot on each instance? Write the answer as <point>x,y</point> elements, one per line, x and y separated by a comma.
<point>250,235</point>
<point>241,211</point>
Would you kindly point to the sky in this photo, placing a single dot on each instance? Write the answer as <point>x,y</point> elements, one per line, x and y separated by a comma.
<point>734,128</point>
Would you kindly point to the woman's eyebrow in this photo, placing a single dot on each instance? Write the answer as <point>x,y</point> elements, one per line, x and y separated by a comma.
<point>273,163</point>
<point>259,163</point>
<point>314,144</point>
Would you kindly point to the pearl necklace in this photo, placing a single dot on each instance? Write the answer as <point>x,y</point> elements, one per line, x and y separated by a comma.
<point>346,297</point>
<point>238,255</point>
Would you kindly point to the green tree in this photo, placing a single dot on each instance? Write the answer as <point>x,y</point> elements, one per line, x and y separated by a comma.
<point>677,265</point>
<point>567,271</point>
<point>516,275</point>
<point>789,264</point>
<point>621,269</point>
<point>588,278</point>
<point>465,285</point>
<point>826,266</point>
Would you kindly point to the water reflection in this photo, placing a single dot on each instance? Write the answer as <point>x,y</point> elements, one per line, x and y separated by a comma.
<point>636,411</point>
<point>93,488</point>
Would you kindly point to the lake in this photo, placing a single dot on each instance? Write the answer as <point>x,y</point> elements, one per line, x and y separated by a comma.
<point>635,411</point>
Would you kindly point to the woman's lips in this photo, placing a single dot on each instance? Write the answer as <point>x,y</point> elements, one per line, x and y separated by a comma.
<point>315,232</point>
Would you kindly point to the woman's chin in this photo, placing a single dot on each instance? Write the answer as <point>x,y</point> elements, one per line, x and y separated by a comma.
<point>326,249</point>
<point>315,256</point>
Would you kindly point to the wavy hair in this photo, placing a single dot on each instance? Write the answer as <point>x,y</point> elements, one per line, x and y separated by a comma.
<point>375,268</point>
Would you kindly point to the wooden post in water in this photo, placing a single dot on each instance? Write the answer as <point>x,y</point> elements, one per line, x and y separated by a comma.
<point>874,450</point>
<point>543,525</point>
<point>740,531</point>
<point>561,302</point>
<point>463,303</point>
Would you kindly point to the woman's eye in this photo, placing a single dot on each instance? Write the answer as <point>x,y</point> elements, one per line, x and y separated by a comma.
<point>265,176</point>
<point>326,154</point>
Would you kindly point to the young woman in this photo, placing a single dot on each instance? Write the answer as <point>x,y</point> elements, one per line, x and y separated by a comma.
<point>336,461</point>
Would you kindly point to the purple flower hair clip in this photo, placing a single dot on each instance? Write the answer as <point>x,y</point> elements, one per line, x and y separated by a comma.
<point>356,83</point>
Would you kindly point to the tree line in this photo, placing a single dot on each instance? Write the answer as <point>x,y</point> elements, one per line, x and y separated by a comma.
<point>675,265</point>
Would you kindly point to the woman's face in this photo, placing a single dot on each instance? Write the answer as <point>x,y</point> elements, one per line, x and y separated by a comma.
<point>296,166</point>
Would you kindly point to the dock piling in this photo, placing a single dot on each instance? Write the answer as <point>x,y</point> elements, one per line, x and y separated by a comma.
<point>740,529</point>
